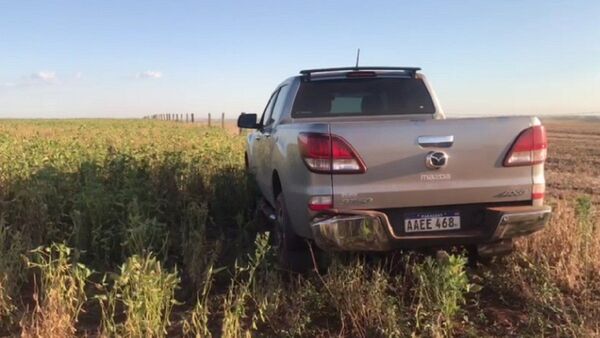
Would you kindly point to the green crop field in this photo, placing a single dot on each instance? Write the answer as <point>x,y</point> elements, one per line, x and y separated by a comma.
<point>146,228</point>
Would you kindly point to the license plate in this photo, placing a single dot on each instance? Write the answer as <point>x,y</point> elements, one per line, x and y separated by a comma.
<point>431,221</point>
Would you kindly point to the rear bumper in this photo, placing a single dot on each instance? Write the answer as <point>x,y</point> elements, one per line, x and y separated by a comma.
<point>365,230</point>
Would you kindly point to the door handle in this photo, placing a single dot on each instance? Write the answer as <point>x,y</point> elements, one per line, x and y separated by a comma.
<point>436,141</point>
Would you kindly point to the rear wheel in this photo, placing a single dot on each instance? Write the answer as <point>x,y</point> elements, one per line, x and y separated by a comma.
<point>293,253</point>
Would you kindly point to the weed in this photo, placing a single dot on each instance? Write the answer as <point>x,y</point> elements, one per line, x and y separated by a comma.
<point>583,210</point>
<point>12,270</point>
<point>147,295</point>
<point>198,251</point>
<point>60,295</point>
<point>362,297</point>
<point>440,292</point>
<point>197,324</point>
<point>235,301</point>
<point>143,235</point>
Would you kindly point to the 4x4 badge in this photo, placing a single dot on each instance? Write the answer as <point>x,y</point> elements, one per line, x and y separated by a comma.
<point>510,193</point>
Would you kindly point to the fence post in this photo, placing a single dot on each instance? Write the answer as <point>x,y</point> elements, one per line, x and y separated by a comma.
<point>192,117</point>
<point>209,119</point>
<point>222,120</point>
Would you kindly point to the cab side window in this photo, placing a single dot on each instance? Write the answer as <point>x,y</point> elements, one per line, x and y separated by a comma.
<point>279,104</point>
<point>266,116</point>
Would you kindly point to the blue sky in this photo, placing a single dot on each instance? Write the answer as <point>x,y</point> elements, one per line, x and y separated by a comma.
<point>128,59</point>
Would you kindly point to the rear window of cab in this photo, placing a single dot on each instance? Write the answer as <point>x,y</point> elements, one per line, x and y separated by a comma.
<point>362,97</point>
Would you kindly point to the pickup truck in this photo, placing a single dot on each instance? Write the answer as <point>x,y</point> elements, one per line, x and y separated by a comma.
<point>364,159</point>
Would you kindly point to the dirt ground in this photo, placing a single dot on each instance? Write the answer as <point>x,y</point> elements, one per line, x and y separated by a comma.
<point>573,165</point>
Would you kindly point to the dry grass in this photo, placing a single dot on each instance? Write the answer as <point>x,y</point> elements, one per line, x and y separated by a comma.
<point>59,296</point>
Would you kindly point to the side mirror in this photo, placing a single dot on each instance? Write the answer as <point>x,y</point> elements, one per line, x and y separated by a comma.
<point>247,121</point>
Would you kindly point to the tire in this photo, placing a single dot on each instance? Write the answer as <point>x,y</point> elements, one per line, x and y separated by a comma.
<point>262,221</point>
<point>293,252</point>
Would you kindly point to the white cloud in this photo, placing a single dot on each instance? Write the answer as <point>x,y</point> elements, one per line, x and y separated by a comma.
<point>45,76</point>
<point>78,75</point>
<point>41,78</point>
<point>149,74</point>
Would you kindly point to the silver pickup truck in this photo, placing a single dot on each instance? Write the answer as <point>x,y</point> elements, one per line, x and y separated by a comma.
<point>364,159</point>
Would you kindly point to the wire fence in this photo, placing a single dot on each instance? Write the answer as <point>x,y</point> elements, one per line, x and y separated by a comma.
<point>209,120</point>
<point>189,118</point>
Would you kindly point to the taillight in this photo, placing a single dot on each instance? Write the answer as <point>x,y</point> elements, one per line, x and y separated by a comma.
<point>530,148</point>
<point>329,154</point>
<point>320,202</point>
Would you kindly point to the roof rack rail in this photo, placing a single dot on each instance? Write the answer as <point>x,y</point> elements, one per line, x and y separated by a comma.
<point>308,72</point>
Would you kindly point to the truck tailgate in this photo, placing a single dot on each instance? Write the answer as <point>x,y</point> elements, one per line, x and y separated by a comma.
<point>397,175</point>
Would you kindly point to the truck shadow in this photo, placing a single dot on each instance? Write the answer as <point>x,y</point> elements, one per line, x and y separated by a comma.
<point>111,208</point>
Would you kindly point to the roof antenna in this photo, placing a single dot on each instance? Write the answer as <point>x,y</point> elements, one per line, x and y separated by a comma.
<point>357,57</point>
